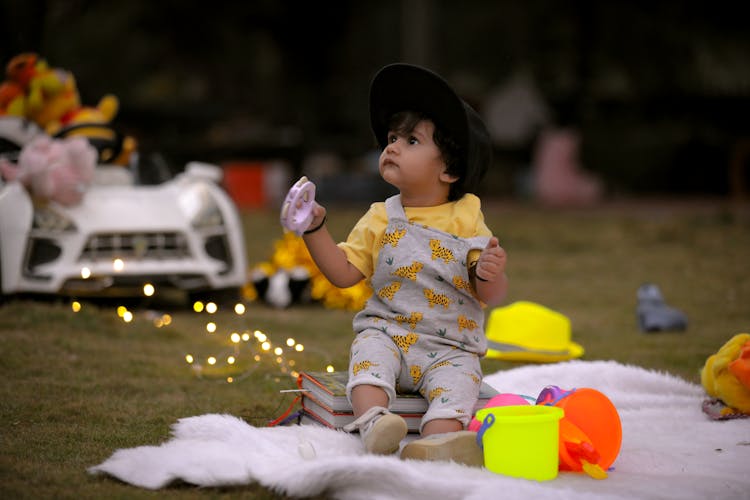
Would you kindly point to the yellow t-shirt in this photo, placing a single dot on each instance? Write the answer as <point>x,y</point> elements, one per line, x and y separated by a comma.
<point>462,218</point>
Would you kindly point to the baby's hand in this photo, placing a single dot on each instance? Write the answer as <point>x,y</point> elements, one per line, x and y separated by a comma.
<point>491,263</point>
<point>297,213</point>
<point>319,217</point>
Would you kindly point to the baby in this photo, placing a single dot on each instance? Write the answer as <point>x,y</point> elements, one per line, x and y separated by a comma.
<point>432,263</point>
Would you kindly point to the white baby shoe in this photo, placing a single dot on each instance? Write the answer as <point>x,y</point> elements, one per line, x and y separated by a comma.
<point>381,430</point>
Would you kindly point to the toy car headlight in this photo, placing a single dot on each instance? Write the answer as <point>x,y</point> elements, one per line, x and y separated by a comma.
<point>200,207</point>
<point>47,219</point>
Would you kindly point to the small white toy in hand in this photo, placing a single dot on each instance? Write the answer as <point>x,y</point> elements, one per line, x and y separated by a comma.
<point>296,211</point>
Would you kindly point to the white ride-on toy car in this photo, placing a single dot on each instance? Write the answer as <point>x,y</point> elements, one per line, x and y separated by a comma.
<point>184,233</point>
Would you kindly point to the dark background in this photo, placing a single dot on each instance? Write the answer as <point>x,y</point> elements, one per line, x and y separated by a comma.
<point>660,91</point>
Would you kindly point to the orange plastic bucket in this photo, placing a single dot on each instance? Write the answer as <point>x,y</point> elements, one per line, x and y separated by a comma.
<point>590,431</point>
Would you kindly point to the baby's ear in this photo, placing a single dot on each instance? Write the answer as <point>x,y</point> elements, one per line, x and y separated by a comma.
<point>448,178</point>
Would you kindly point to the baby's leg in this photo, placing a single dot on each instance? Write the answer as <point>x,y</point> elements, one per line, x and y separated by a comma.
<point>441,426</point>
<point>373,368</point>
<point>366,396</point>
<point>374,364</point>
<point>452,387</point>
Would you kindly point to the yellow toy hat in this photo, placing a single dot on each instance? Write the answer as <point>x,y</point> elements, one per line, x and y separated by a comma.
<point>525,331</point>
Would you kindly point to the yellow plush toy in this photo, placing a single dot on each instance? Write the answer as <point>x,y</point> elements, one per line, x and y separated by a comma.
<point>29,82</point>
<point>49,97</point>
<point>290,252</point>
<point>726,377</point>
<point>63,109</point>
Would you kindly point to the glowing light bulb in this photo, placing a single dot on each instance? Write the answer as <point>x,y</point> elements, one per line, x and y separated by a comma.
<point>127,317</point>
<point>290,342</point>
<point>85,273</point>
<point>211,308</point>
<point>198,306</point>
<point>330,369</point>
<point>265,346</point>
<point>230,380</point>
<point>211,360</point>
<point>256,357</point>
<point>231,360</point>
<point>245,336</point>
<point>121,310</point>
<point>235,337</point>
<point>239,309</point>
<point>118,265</point>
<point>166,319</point>
<point>278,351</point>
<point>279,360</point>
<point>299,348</point>
<point>291,362</point>
<point>148,289</point>
<point>189,358</point>
<point>210,327</point>
<point>76,306</point>
<point>260,336</point>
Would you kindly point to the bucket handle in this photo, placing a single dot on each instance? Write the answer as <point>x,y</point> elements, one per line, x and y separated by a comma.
<point>551,394</point>
<point>486,424</point>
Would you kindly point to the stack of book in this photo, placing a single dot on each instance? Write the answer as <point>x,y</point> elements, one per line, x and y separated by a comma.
<point>324,401</point>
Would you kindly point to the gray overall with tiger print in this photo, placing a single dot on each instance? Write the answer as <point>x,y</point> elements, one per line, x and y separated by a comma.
<point>423,328</point>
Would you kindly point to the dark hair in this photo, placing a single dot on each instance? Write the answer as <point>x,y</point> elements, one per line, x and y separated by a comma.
<point>404,122</point>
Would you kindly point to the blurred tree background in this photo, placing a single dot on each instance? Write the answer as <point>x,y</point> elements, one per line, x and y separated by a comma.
<point>660,91</point>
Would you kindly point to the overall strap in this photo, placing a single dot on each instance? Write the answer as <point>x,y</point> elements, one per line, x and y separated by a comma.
<point>394,209</point>
<point>478,242</point>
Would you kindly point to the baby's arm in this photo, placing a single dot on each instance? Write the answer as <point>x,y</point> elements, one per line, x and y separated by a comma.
<point>330,259</point>
<point>490,281</point>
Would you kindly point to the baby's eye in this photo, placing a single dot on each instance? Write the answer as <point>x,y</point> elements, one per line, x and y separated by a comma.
<point>413,140</point>
<point>392,138</point>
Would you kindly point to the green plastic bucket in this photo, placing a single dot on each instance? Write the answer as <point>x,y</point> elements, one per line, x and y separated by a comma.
<point>521,441</point>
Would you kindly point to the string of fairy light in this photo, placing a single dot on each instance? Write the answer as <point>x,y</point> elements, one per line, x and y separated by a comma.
<point>258,344</point>
<point>251,347</point>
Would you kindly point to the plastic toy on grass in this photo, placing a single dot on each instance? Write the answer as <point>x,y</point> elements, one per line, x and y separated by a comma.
<point>296,211</point>
<point>654,314</point>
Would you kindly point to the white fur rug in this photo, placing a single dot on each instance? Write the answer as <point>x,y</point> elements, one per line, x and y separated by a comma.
<point>670,449</point>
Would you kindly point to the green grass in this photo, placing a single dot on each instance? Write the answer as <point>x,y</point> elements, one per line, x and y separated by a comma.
<point>77,386</point>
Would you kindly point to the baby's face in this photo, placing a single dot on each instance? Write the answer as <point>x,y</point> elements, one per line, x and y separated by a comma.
<point>412,162</point>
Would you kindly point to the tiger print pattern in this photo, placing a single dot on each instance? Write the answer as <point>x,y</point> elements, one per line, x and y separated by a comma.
<point>416,373</point>
<point>434,298</point>
<point>461,283</point>
<point>441,364</point>
<point>389,291</point>
<point>364,365</point>
<point>411,320</point>
<point>440,252</point>
<point>404,342</point>
<point>465,323</point>
<point>392,238</point>
<point>409,272</point>
<point>436,392</point>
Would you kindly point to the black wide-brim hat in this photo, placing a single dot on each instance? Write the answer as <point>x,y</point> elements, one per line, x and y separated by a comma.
<point>405,87</point>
